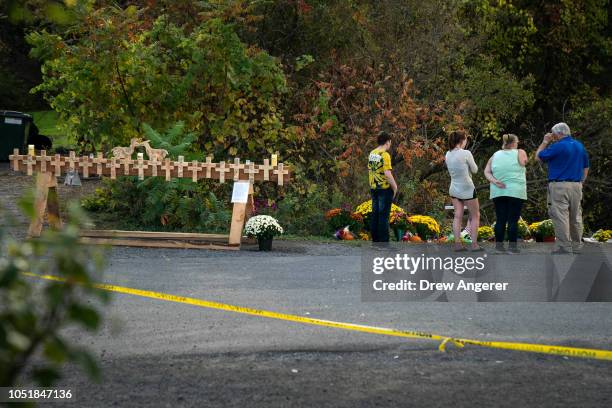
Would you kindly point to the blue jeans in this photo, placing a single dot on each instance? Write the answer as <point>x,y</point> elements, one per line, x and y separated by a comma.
<point>381,208</point>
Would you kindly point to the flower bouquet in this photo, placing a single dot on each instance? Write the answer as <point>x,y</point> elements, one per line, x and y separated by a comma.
<point>426,227</point>
<point>523,231</point>
<point>602,235</point>
<point>543,231</point>
<point>485,233</point>
<point>264,228</point>
<point>365,210</point>
<point>398,220</point>
<point>340,218</point>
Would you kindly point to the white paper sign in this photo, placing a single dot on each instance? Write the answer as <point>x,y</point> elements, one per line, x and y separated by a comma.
<point>240,194</point>
<point>13,121</point>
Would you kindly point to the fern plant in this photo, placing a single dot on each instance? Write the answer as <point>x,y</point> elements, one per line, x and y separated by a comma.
<point>174,140</point>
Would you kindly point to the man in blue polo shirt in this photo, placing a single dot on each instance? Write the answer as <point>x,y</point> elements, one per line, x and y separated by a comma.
<point>568,167</point>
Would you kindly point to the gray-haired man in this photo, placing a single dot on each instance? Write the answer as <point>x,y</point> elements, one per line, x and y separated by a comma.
<point>568,167</point>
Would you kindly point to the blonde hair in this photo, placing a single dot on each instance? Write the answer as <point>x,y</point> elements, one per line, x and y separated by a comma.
<point>509,138</point>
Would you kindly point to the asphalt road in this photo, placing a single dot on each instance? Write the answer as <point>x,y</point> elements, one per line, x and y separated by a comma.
<point>156,353</point>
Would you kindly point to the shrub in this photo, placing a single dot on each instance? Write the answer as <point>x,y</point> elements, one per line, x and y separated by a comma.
<point>35,313</point>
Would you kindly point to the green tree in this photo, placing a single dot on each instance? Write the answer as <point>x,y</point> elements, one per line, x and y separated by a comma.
<point>117,71</point>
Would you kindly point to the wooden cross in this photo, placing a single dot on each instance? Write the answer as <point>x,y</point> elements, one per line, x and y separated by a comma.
<point>180,166</point>
<point>43,161</point>
<point>168,167</point>
<point>85,164</point>
<point>72,160</point>
<point>31,160</point>
<point>251,171</point>
<point>141,166</point>
<point>16,158</point>
<point>209,166</point>
<point>153,165</point>
<point>236,166</point>
<point>194,168</point>
<point>266,169</point>
<point>99,161</point>
<point>113,165</point>
<point>281,173</point>
<point>57,163</point>
<point>127,161</point>
<point>222,170</point>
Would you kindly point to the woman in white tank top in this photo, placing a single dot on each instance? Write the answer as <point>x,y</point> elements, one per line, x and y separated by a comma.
<point>461,166</point>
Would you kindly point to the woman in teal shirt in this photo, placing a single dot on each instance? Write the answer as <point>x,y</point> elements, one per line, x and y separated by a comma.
<point>506,173</point>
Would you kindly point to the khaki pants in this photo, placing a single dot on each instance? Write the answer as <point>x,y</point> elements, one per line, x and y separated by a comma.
<point>565,211</point>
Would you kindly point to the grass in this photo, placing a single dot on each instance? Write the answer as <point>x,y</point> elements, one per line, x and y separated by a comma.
<point>48,123</point>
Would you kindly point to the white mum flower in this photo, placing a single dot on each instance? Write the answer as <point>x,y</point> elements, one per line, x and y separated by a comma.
<point>262,226</point>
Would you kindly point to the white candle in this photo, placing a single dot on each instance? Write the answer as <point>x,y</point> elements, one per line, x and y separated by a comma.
<point>274,160</point>
<point>140,156</point>
<point>31,151</point>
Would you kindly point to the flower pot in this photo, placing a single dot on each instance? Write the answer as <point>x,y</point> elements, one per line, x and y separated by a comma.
<point>265,244</point>
<point>399,234</point>
<point>549,239</point>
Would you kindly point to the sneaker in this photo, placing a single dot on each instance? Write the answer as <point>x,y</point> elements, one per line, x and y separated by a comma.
<point>513,248</point>
<point>500,248</point>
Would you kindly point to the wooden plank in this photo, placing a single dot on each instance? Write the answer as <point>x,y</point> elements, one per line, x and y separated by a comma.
<point>53,206</point>
<point>151,234</point>
<point>156,244</point>
<point>40,204</point>
<point>239,216</point>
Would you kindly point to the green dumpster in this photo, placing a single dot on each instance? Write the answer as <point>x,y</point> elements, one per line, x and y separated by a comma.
<point>14,129</point>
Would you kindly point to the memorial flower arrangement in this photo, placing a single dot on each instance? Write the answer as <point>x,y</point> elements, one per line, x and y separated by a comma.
<point>399,220</point>
<point>344,234</point>
<point>602,235</point>
<point>533,228</point>
<point>485,233</point>
<point>365,209</point>
<point>264,228</point>
<point>339,218</point>
<point>426,227</point>
<point>524,229</point>
<point>542,231</point>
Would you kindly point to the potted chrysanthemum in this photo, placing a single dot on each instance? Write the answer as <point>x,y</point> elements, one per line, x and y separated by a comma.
<point>264,228</point>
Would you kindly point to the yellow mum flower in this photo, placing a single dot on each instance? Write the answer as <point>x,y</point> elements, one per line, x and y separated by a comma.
<point>365,209</point>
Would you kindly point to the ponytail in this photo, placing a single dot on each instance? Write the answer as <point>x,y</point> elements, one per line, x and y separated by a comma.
<point>508,139</point>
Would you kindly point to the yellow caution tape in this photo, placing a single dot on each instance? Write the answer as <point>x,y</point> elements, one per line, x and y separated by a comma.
<point>458,342</point>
